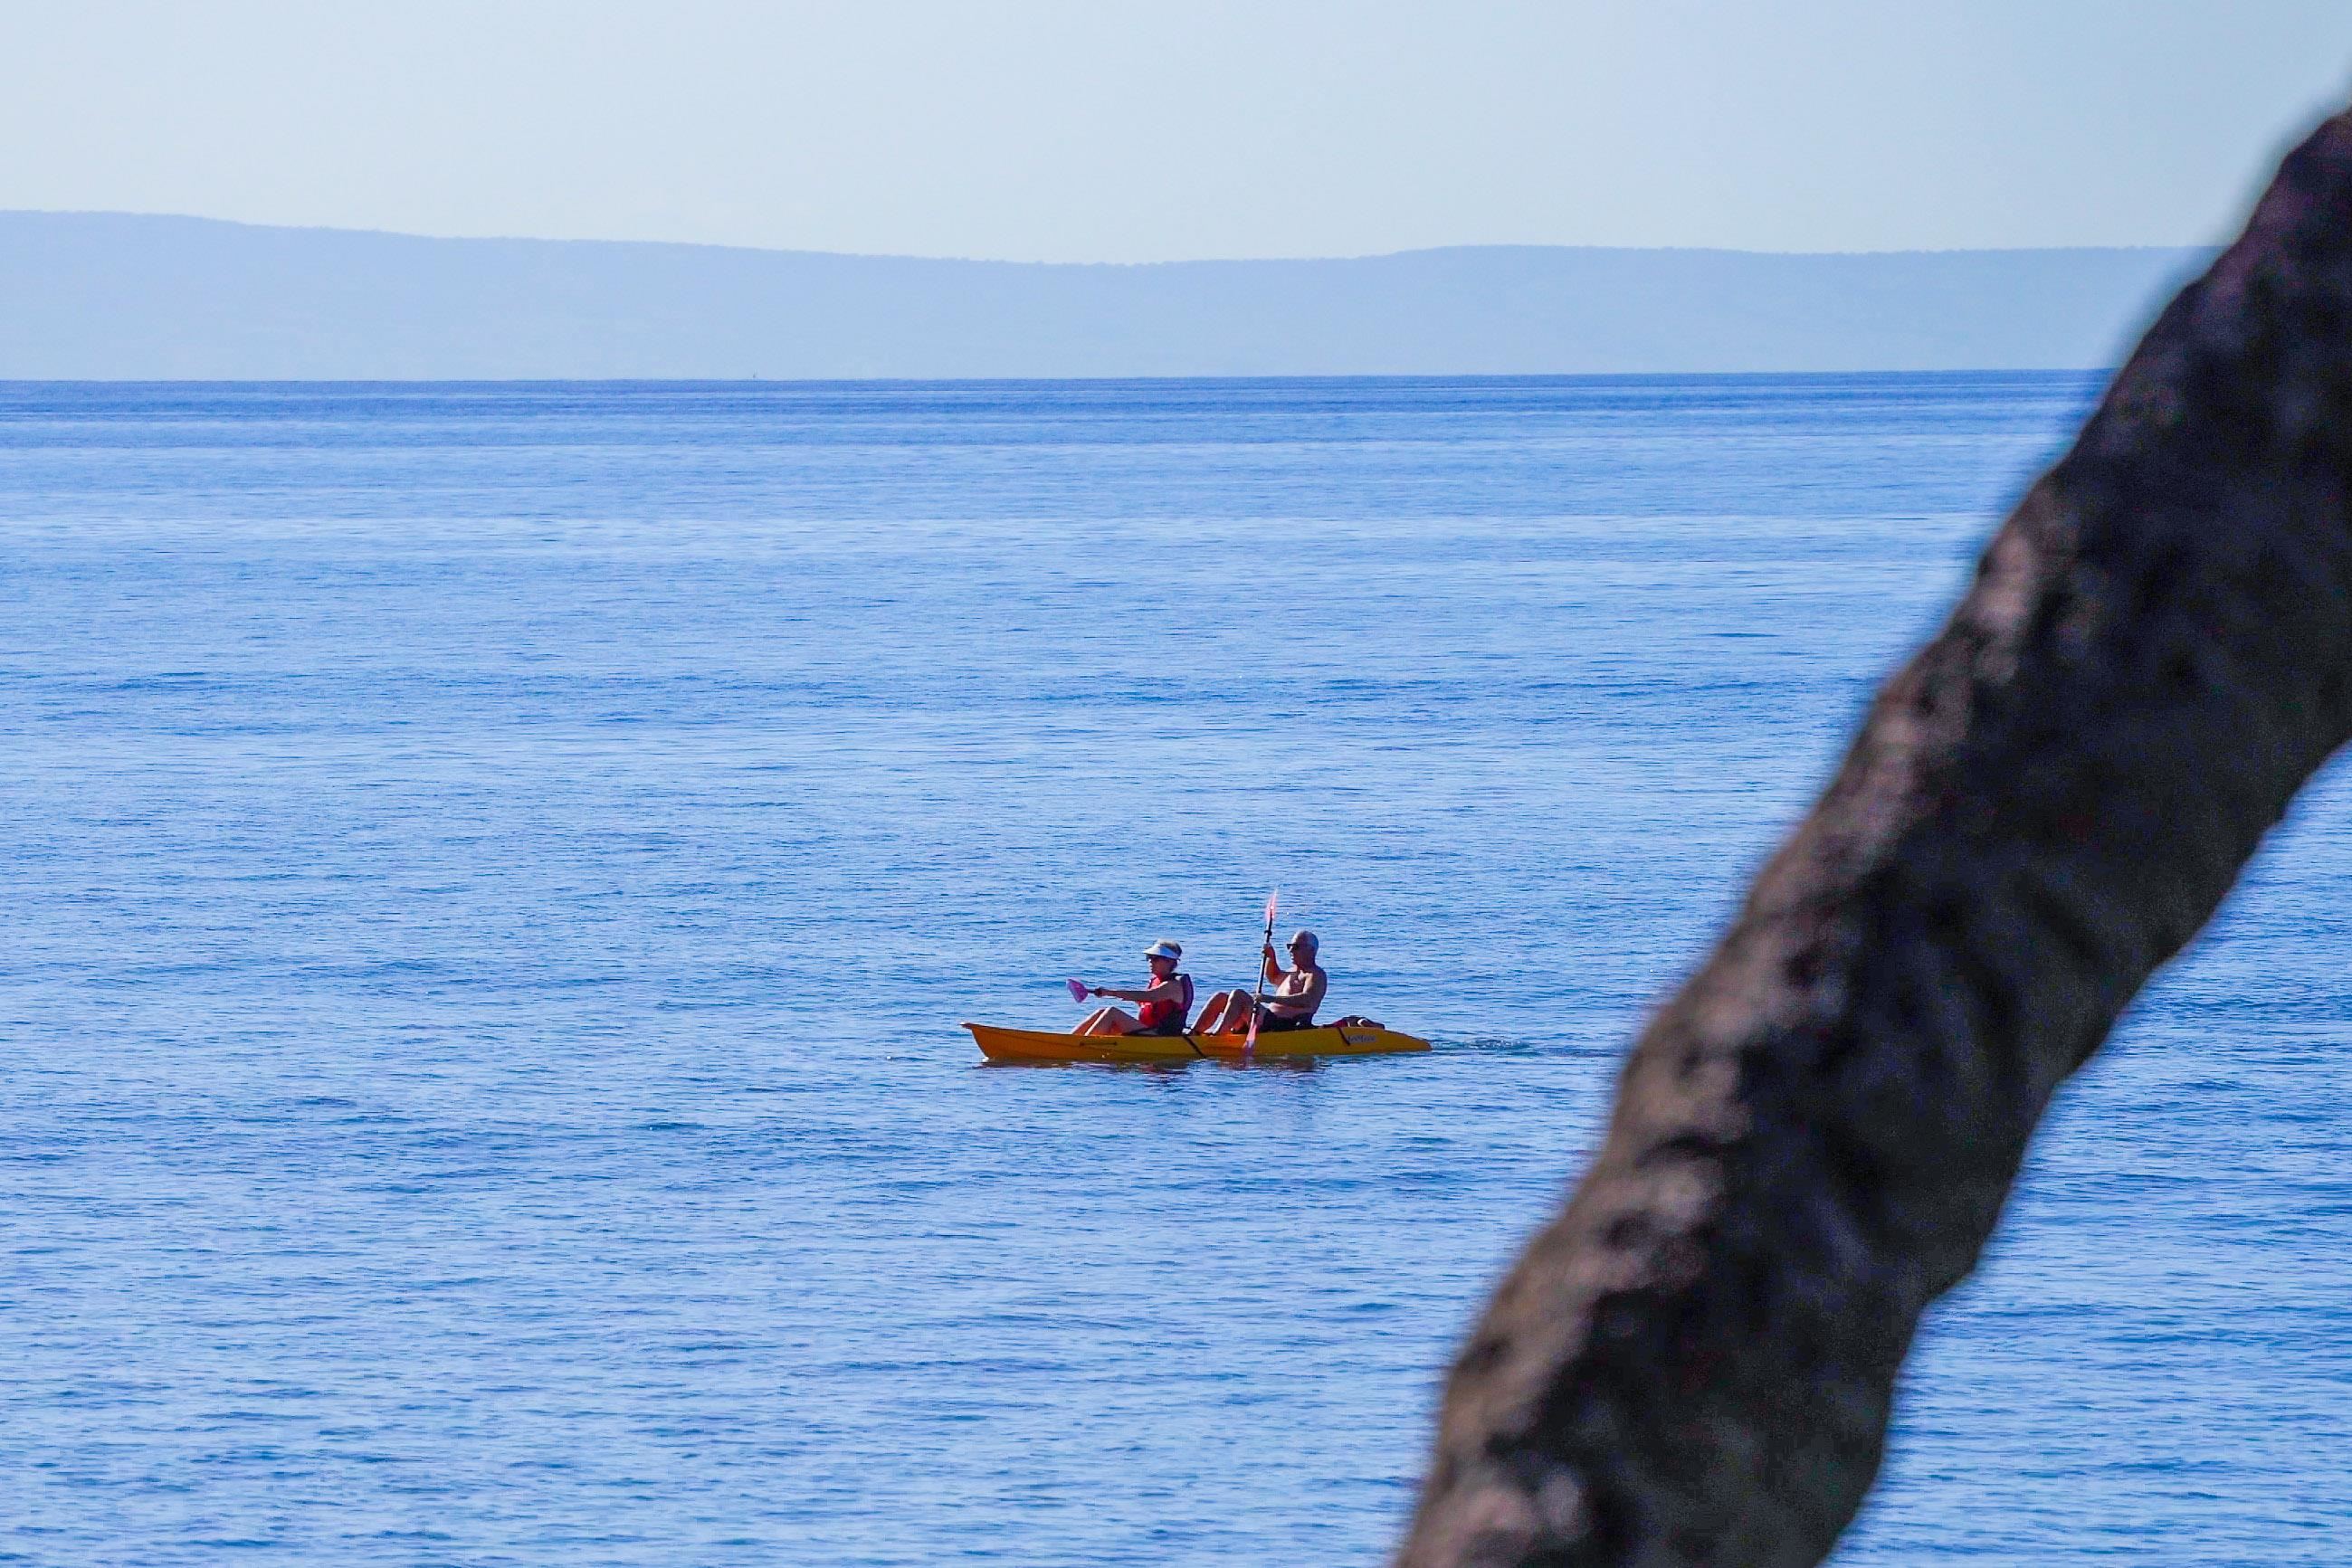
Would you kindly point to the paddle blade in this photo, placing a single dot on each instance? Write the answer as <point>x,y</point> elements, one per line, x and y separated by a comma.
<point>1249,1042</point>
<point>1272,899</point>
<point>1077,989</point>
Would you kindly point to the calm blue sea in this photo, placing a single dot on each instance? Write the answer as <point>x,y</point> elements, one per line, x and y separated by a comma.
<point>491,875</point>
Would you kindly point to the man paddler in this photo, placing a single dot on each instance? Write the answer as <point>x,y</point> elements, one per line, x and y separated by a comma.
<point>1297,992</point>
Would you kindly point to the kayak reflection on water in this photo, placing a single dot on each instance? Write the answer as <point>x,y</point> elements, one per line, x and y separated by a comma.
<point>1297,992</point>
<point>1161,1006</point>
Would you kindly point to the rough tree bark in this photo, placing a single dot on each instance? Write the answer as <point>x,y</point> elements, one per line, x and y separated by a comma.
<point>1694,1362</point>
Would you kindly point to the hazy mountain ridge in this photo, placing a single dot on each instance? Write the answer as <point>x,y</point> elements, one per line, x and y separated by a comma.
<point>120,295</point>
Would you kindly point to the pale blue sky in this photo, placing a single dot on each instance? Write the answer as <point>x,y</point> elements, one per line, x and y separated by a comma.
<point>1146,130</point>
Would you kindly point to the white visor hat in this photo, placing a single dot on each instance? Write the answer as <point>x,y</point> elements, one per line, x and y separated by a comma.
<point>1168,950</point>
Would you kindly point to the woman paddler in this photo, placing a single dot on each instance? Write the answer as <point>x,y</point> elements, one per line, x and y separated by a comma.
<point>1161,1006</point>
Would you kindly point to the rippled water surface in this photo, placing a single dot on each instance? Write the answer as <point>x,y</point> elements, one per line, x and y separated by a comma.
<point>492,876</point>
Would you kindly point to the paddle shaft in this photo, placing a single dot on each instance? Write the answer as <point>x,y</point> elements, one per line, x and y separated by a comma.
<point>1258,998</point>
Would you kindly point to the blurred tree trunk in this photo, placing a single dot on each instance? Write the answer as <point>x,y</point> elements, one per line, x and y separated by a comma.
<point>1694,1362</point>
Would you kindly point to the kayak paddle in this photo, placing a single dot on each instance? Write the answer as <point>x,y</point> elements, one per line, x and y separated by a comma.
<point>1249,1042</point>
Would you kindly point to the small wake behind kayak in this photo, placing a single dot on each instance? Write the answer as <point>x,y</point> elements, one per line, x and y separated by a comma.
<point>1039,1045</point>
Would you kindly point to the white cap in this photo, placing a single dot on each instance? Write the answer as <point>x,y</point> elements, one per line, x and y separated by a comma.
<point>1171,951</point>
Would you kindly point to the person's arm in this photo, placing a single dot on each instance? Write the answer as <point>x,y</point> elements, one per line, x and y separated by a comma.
<point>1302,1002</point>
<point>1312,997</point>
<point>1274,973</point>
<point>1163,991</point>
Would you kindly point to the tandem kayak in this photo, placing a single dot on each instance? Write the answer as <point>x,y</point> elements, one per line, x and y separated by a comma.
<point>1330,1040</point>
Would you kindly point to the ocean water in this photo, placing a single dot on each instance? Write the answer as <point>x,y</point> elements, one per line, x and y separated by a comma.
<point>492,876</point>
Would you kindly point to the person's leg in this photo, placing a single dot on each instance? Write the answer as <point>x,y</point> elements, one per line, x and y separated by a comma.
<point>1227,1011</point>
<point>1107,1020</point>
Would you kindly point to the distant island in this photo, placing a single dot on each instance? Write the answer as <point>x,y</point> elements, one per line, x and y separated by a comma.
<point>111,295</point>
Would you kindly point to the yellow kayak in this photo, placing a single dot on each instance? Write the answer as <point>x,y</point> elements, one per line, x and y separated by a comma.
<point>1330,1040</point>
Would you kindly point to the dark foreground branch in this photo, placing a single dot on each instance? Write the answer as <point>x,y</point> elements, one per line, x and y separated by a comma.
<point>1694,1363</point>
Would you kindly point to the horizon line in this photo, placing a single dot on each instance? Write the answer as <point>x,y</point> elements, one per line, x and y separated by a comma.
<point>2098,373</point>
<point>997,261</point>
